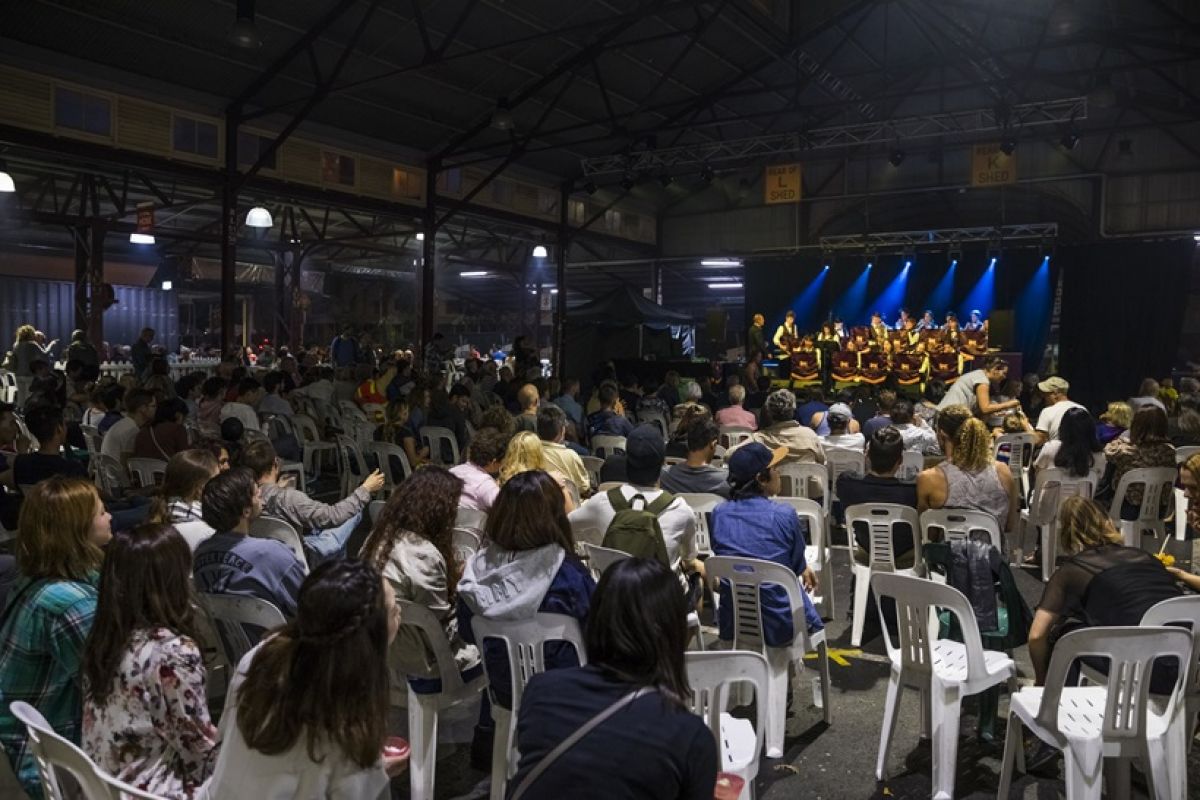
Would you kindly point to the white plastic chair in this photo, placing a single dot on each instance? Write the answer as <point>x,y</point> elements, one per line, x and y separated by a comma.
<point>1182,454</point>
<point>657,419</point>
<point>593,466</point>
<point>733,435</point>
<point>8,380</point>
<point>465,543</point>
<point>524,643</point>
<point>267,527</point>
<point>351,464</point>
<point>948,524</point>
<point>1181,512</point>
<point>471,519</point>
<point>52,753</point>
<point>609,486</point>
<point>601,558</point>
<point>1092,723</point>
<point>606,444</point>
<point>911,464</point>
<point>839,460</point>
<point>711,676</point>
<point>746,576</point>
<point>230,613</point>
<point>311,444</point>
<point>147,471</point>
<point>374,509</point>
<point>432,436</point>
<point>1019,449</point>
<point>424,708</point>
<point>817,553</point>
<point>384,452</point>
<point>1183,611</point>
<point>1157,483</point>
<point>880,519</point>
<point>110,475</point>
<point>1049,490</point>
<point>943,671</point>
<point>702,504</point>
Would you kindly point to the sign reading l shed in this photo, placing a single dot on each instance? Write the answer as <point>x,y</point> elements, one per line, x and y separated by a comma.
<point>991,167</point>
<point>781,184</point>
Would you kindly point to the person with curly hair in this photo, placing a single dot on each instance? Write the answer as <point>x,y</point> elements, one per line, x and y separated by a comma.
<point>412,546</point>
<point>780,429</point>
<point>525,452</point>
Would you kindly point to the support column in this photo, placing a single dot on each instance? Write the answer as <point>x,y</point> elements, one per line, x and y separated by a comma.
<point>656,282</point>
<point>95,277</point>
<point>282,299</point>
<point>80,234</point>
<point>425,313</point>
<point>229,230</point>
<point>560,281</point>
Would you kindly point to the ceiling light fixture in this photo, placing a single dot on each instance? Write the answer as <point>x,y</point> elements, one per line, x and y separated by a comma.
<point>6,181</point>
<point>244,32</point>
<point>141,238</point>
<point>590,187</point>
<point>1008,144</point>
<point>721,262</point>
<point>420,236</point>
<point>167,286</point>
<point>540,251</point>
<point>724,285</point>
<point>479,273</point>
<point>259,217</point>
<point>502,117</point>
<point>1069,139</point>
<point>896,158</point>
<point>707,174</point>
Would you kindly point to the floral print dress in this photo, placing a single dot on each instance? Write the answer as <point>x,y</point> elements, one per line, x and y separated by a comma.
<point>153,731</point>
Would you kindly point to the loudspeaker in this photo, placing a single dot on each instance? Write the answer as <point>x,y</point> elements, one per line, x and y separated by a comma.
<point>714,325</point>
<point>1000,328</point>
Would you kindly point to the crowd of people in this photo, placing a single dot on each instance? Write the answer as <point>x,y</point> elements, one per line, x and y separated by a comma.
<point>102,633</point>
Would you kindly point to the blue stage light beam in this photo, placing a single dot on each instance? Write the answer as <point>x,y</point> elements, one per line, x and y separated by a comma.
<point>850,306</point>
<point>891,298</point>
<point>982,295</point>
<point>942,296</point>
<point>1032,311</point>
<point>808,305</point>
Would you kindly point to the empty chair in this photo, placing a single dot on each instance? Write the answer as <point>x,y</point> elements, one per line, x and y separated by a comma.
<point>424,708</point>
<point>147,471</point>
<point>712,676</point>
<point>440,441</point>
<point>110,475</point>
<point>52,753</point>
<point>746,577</point>
<point>656,418</point>
<point>881,520</point>
<point>351,464</point>
<point>948,524</point>
<point>702,505</point>
<point>838,461</point>
<point>816,553</point>
<point>310,443</point>
<point>593,466</point>
<point>733,435</point>
<point>1049,490</point>
<point>1018,449</point>
<point>911,464</point>
<point>1093,723</point>
<point>268,527</point>
<point>805,480</point>
<point>943,671</point>
<point>1155,506</point>
<point>231,614</point>
<point>524,644</point>
<point>605,445</point>
<point>1183,611</point>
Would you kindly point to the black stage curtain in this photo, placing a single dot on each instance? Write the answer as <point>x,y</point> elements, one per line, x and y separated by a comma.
<point>1122,312</point>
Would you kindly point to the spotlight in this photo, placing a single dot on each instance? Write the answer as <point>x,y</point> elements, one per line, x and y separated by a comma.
<point>167,286</point>
<point>869,265</point>
<point>6,181</point>
<point>993,262</point>
<point>907,264</point>
<point>539,251</point>
<point>244,32</point>
<point>666,180</point>
<point>1196,237</point>
<point>826,266</point>
<point>1069,140</point>
<point>420,236</point>
<point>590,187</point>
<point>502,117</point>
<point>1008,144</point>
<point>259,217</point>
<point>954,262</point>
<point>141,238</point>
<point>896,158</point>
<point>707,174</point>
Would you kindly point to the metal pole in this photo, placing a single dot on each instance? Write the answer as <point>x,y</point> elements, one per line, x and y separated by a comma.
<point>229,229</point>
<point>560,282</point>
<point>95,326</point>
<point>80,235</point>
<point>429,255</point>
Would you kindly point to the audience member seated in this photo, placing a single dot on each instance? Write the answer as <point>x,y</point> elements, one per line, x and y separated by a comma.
<point>568,401</point>
<point>140,410</point>
<point>396,430</point>
<point>525,452</point>
<point>1147,396</point>
<point>45,423</point>
<point>969,477</point>
<point>780,429</point>
<point>50,611</point>
<point>145,719</point>
<point>735,415</point>
<point>1187,429</point>
<point>974,390</point>
<point>931,396</point>
<point>1075,450</point>
<point>655,749</point>
<point>306,713</point>
<point>1147,446</point>
<point>527,399</point>
<point>1101,583</point>
<point>166,435</point>
<point>178,500</point>
<point>885,454</point>
<point>691,403</point>
<point>159,382</point>
<point>841,419</point>
<point>1114,422</point>
<point>99,406</point>
<point>607,420</point>
<point>412,545</point>
<point>1055,404</point>
<point>444,414</point>
<point>231,561</point>
<point>325,528</point>
<point>812,411</point>
<point>919,438</point>
<point>371,386</point>
<point>528,566</point>
<point>645,455</point>
<point>478,473</point>
<point>883,414</point>
<point>751,525</point>
<point>552,430</point>
<point>697,475</point>
<point>212,399</point>
<point>245,407</point>
<point>274,402</point>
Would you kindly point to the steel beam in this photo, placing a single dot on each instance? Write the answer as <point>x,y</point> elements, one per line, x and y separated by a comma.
<point>560,281</point>
<point>898,240</point>
<point>229,231</point>
<point>426,311</point>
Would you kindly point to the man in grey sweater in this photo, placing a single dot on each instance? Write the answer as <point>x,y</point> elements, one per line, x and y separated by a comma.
<point>326,528</point>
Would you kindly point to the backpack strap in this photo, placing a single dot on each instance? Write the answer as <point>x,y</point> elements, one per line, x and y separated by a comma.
<point>617,500</point>
<point>661,503</point>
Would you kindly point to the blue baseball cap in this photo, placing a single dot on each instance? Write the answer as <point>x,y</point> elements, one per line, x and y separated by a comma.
<point>746,462</point>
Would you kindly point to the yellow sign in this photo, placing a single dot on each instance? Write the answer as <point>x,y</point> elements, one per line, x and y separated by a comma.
<point>991,167</point>
<point>781,184</point>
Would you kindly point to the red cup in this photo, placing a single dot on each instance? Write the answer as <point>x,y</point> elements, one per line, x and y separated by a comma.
<point>729,786</point>
<point>395,747</point>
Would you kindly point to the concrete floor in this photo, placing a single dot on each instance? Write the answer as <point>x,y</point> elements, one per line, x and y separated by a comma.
<point>838,761</point>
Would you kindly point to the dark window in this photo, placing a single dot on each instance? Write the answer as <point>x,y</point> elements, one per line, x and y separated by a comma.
<point>82,112</point>
<point>250,147</point>
<point>337,168</point>
<point>195,136</point>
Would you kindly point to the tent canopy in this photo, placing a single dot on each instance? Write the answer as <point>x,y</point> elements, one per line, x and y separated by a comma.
<point>625,306</point>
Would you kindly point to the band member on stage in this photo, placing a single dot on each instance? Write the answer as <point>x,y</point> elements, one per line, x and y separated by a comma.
<point>879,331</point>
<point>786,337</point>
<point>828,343</point>
<point>927,322</point>
<point>839,328</point>
<point>910,338</point>
<point>975,323</point>
<point>951,336</point>
<point>903,319</point>
<point>754,339</point>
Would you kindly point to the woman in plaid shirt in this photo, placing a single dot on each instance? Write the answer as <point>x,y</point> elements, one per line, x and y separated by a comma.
<point>63,527</point>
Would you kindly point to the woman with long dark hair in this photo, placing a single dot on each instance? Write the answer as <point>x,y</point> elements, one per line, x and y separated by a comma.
<point>145,718</point>
<point>1077,450</point>
<point>306,714</point>
<point>178,499</point>
<point>412,545</point>
<point>653,747</point>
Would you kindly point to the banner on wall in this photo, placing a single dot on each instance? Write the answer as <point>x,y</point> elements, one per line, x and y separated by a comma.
<point>991,166</point>
<point>781,184</point>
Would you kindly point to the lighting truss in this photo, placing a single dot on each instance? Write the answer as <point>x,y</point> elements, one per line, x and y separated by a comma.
<point>951,123</point>
<point>901,240</point>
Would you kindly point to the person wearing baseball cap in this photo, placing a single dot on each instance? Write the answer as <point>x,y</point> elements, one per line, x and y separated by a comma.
<point>841,420</point>
<point>751,525</point>
<point>1055,404</point>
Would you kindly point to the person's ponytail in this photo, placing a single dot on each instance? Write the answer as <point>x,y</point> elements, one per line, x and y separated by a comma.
<point>972,446</point>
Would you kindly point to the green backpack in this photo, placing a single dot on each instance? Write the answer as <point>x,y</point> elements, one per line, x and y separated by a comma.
<point>636,530</point>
